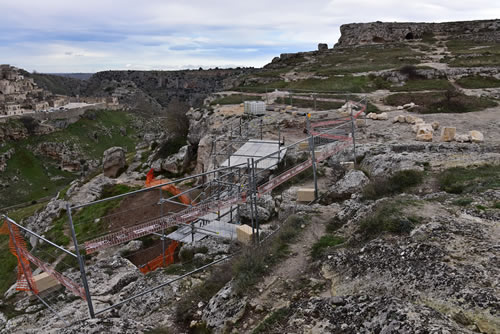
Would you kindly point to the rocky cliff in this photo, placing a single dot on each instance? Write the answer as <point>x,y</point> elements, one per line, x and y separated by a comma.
<point>353,34</point>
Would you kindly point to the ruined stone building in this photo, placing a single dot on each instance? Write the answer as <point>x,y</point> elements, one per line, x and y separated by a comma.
<point>19,95</point>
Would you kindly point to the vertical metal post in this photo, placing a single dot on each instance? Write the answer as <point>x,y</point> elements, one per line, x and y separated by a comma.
<point>314,99</point>
<point>353,139</point>
<point>81,263</point>
<point>254,195</point>
<point>240,126</point>
<point>249,195</point>
<point>313,157</point>
<point>238,218</point>
<point>261,129</point>
<point>279,144</point>
<point>163,229</point>
<point>215,153</point>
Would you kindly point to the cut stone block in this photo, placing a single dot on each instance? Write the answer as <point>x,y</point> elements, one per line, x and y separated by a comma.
<point>45,282</point>
<point>424,128</point>
<point>476,136</point>
<point>305,195</point>
<point>303,146</point>
<point>348,165</point>
<point>448,133</point>
<point>360,123</point>
<point>244,234</point>
<point>410,119</point>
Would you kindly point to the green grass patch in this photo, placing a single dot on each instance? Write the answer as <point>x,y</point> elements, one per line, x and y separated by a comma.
<point>477,81</point>
<point>496,205</point>
<point>441,102</point>
<point>301,103</point>
<point>8,264</point>
<point>422,84</point>
<point>388,217</point>
<point>235,99</point>
<point>324,243</point>
<point>463,201</point>
<point>40,176</point>
<point>395,184</point>
<point>19,214</point>
<point>273,320</point>
<point>461,180</point>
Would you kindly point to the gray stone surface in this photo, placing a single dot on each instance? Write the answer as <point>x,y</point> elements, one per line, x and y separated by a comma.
<point>113,161</point>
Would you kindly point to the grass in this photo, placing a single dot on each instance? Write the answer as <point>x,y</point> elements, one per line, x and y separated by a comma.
<point>40,176</point>
<point>8,265</point>
<point>496,205</point>
<point>245,269</point>
<point>324,243</point>
<point>249,267</point>
<point>272,320</point>
<point>19,214</point>
<point>388,217</point>
<point>347,83</point>
<point>235,99</point>
<point>463,201</point>
<point>477,81</point>
<point>395,184</point>
<point>437,102</point>
<point>473,53</point>
<point>461,180</point>
<point>301,103</point>
<point>422,84</point>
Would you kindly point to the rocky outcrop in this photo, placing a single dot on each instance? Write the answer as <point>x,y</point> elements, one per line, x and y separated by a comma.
<point>388,32</point>
<point>352,182</point>
<point>4,157</point>
<point>113,161</point>
<point>224,308</point>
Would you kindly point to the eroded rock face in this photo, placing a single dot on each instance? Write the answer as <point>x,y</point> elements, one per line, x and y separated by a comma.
<point>224,308</point>
<point>4,157</point>
<point>387,32</point>
<point>352,182</point>
<point>113,161</point>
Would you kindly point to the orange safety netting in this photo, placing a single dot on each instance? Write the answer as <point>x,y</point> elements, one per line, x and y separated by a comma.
<point>162,260</point>
<point>22,277</point>
<point>150,182</point>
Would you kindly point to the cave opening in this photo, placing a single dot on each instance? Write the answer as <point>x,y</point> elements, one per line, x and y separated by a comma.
<point>409,36</point>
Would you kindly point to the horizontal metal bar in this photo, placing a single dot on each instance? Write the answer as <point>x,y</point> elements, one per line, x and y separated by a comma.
<point>39,236</point>
<point>154,187</point>
<point>165,284</point>
<point>51,309</point>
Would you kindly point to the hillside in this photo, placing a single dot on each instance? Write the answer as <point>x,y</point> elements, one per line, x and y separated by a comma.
<point>403,237</point>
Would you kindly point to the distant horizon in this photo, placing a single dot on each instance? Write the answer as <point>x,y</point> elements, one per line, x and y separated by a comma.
<point>57,36</point>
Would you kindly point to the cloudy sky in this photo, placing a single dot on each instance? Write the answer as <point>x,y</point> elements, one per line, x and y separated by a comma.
<point>95,35</point>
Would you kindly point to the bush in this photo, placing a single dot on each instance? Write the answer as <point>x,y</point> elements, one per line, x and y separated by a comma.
<point>460,180</point>
<point>323,243</point>
<point>397,183</point>
<point>387,218</point>
<point>463,201</point>
<point>410,71</point>
<point>271,321</point>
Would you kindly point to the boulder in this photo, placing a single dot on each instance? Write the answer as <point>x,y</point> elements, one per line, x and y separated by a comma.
<point>423,128</point>
<point>409,105</point>
<point>113,161</point>
<point>175,163</point>
<point>224,308</point>
<point>435,125</point>
<point>448,134</point>
<point>410,119</point>
<point>476,136</point>
<point>322,47</point>
<point>426,136</point>
<point>352,182</point>
<point>383,116</point>
<point>462,138</point>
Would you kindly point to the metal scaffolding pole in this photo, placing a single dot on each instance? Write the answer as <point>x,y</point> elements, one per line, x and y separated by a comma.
<point>313,157</point>
<point>81,263</point>
<point>254,196</point>
<point>249,195</point>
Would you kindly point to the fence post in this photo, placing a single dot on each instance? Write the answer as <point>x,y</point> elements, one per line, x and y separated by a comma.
<point>80,263</point>
<point>254,195</point>
<point>249,196</point>
<point>353,133</point>
<point>313,157</point>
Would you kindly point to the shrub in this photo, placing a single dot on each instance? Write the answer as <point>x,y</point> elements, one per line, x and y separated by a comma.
<point>460,180</point>
<point>271,321</point>
<point>387,218</point>
<point>463,201</point>
<point>397,183</point>
<point>323,243</point>
<point>410,71</point>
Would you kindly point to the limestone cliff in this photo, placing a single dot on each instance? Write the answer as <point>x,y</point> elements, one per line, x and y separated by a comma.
<point>353,34</point>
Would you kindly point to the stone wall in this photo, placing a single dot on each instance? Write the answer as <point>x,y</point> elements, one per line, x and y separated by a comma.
<point>353,34</point>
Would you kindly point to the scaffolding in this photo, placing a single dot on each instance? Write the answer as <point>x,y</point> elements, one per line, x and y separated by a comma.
<point>214,210</point>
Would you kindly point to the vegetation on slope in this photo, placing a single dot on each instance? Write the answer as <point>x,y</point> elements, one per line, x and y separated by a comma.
<point>34,176</point>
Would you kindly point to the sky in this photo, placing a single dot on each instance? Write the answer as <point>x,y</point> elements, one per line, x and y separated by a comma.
<point>55,36</point>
